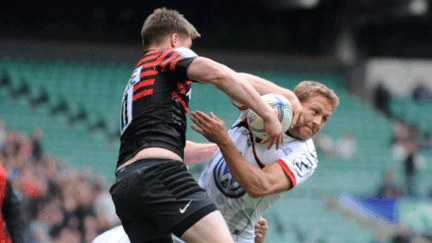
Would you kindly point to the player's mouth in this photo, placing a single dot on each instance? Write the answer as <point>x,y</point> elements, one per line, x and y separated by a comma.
<point>308,130</point>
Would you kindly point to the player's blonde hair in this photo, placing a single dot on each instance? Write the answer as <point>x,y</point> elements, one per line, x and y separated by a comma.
<point>307,89</point>
<point>163,22</point>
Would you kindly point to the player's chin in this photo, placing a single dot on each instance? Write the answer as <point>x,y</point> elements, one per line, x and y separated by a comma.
<point>306,133</point>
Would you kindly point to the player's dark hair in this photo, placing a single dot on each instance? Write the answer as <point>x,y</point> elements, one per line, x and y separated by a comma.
<point>163,22</point>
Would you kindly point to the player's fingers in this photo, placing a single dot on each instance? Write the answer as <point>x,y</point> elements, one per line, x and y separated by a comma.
<point>281,138</point>
<point>265,140</point>
<point>201,115</point>
<point>213,116</point>
<point>196,120</point>
<point>262,221</point>
<point>271,142</point>
<point>199,130</point>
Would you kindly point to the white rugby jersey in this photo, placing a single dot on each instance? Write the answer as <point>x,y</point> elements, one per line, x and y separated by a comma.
<point>298,159</point>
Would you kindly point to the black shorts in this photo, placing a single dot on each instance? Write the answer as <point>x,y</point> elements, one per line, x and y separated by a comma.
<point>157,197</point>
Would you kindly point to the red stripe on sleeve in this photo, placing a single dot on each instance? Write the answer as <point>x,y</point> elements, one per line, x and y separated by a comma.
<point>288,172</point>
<point>181,87</point>
<point>174,63</point>
<point>149,73</point>
<point>144,83</point>
<point>143,93</point>
<point>164,63</point>
<point>176,96</point>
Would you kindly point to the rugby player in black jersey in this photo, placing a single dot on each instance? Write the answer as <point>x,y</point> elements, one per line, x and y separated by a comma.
<point>154,194</point>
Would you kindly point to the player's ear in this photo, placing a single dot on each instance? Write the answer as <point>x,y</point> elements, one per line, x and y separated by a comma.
<point>175,40</point>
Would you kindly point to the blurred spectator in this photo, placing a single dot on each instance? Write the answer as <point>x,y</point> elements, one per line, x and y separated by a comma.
<point>425,141</point>
<point>346,147</point>
<point>382,99</point>
<point>61,204</point>
<point>12,228</point>
<point>401,134</point>
<point>389,189</point>
<point>402,234</point>
<point>412,163</point>
<point>2,134</point>
<point>421,92</point>
<point>104,206</point>
<point>325,144</point>
<point>37,150</point>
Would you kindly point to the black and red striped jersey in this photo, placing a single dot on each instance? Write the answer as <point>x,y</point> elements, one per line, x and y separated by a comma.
<point>155,103</point>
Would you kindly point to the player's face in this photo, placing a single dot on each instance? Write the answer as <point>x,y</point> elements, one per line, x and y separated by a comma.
<point>316,110</point>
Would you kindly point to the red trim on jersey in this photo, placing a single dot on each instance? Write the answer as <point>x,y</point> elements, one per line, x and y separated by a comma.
<point>176,96</point>
<point>145,59</point>
<point>143,93</point>
<point>260,163</point>
<point>149,73</point>
<point>288,172</point>
<point>144,83</point>
<point>174,63</point>
<point>181,87</point>
<point>164,63</point>
<point>188,82</point>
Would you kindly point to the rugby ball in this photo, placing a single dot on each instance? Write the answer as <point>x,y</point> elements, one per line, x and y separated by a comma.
<point>282,108</point>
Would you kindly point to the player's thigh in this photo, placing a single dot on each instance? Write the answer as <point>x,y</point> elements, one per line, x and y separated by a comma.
<point>212,229</point>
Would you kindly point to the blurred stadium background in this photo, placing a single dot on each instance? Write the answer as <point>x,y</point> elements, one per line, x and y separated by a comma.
<point>64,66</point>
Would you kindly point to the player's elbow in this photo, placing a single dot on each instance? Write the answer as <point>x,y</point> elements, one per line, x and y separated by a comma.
<point>259,190</point>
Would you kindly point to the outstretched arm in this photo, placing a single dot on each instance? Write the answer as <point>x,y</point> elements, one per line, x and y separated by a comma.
<point>263,86</point>
<point>255,181</point>
<point>197,153</point>
<point>237,88</point>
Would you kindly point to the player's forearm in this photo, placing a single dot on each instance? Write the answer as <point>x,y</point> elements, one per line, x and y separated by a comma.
<point>207,71</point>
<point>263,86</point>
<point>243,92</point>
<point>197,153</point>
<point>251,178</point>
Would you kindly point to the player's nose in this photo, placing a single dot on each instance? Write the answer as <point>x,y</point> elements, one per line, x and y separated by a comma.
<point>317,120</point>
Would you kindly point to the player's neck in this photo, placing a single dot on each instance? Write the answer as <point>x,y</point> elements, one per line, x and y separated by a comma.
<point>163,46</point>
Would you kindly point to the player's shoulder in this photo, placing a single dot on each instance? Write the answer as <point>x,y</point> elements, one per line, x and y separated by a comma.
<point>307,144</point>
<point>292,144</point>
<point>184,52</point>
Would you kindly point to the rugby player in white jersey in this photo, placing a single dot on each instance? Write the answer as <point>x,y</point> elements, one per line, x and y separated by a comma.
<point>244,178</point>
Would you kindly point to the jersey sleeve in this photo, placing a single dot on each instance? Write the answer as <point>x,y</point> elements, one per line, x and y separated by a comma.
<point>300,164</point>
<point>176,61</point>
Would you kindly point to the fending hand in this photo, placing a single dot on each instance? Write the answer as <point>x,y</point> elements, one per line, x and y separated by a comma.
<point>211,127</point>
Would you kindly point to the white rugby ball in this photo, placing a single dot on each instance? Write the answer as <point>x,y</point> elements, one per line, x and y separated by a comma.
<point>283,111</point>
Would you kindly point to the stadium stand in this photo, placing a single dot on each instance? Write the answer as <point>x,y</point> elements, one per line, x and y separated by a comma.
<point>79,114</point>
